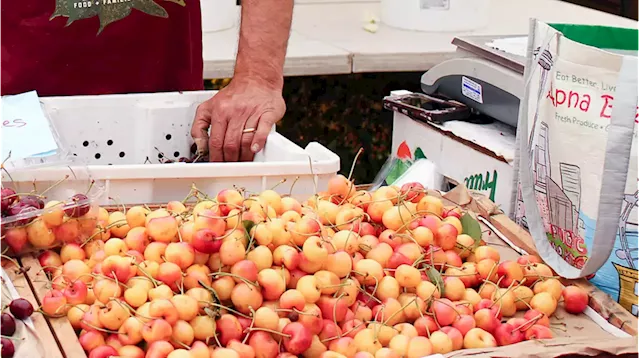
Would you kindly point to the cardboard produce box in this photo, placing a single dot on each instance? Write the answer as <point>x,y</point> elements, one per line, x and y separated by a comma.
<point>480,156</point>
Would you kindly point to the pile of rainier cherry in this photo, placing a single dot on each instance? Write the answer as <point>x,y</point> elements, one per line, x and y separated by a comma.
<point>348,273</point>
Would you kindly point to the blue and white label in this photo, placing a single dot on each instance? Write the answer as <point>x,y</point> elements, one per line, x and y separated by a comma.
<point>472,89</point>
<point>23,118</point>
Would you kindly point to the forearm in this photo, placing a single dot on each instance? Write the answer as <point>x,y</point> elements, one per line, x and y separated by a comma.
<point>264,33</point>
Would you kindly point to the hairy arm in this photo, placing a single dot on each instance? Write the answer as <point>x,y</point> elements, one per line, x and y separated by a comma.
<point>242,114</point>
<point>264,33</point>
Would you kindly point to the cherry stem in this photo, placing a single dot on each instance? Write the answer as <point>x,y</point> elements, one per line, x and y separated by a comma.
<point>335,286</point>
<point>343,334</point>
<point>418,307</point>
<point>127,306</point>
<point>532,320</point>
<point>335,307</point>
<point>464,248</point>
<point>54,315</point>
<point>302,313</point>
<point>375,288</point>
<point>419,260</point>
<point>294,183</point>
<point>100,231</point>
<point>271,331</point>
<point>119,203</point>
<point>278,183</point>
<point>518,299</point>
<point>284,310</point>
<point>215,336</point>
<point>12,338</point>
<point>54,185</point>
<point>210,289</point>
<point>401,310</point>
<point>502,295</point>
<point>101,329</point>
<point>181,285</point>
<point>489,275</point>
<point>456,275</point>
<point>452,307</point>
<point>375,319</point>
<point>181,344</point>
<point>190,195</point>
<point>13,261</point>
<point>253,320</point>
<point>364,247</point>
<point>220,273</point>
<point>229,309</point>
<point>437,324</point>
<point>355,160</point>
<point>144,272</point>
<point>559,328</point>
<point>251,236</point>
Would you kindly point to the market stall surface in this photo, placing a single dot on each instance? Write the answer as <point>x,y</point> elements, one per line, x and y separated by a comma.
<point>329,38</point>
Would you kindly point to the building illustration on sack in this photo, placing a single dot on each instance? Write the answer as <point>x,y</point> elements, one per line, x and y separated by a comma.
<point>565,224</point>
<point>559,204</point>
<point>628,272</point>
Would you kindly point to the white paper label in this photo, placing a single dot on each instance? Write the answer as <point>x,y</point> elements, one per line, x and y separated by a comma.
<point>25,129</point>
<point>472,89</point>
<point>434,4</point>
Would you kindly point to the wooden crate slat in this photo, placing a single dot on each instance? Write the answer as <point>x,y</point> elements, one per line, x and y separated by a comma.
<point>40,323</point>
<point>61,327</point>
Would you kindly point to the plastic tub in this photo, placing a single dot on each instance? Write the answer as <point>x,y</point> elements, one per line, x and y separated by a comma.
<point>218,15</point>
<point>435,15</point>
<point>115,135</point>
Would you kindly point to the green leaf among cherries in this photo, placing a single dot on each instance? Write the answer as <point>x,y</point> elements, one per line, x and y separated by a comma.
<point>436,278</point>
<point>471,227</point>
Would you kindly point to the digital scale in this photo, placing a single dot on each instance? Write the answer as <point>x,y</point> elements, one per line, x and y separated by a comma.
<point>481,82</point>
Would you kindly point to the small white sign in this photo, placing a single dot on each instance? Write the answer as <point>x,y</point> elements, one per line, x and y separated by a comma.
<point>472,89</point>
<point>25,129</point>
<point>434,4</point>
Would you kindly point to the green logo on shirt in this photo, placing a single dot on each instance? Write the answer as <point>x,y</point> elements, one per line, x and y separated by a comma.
<point>108,11</point>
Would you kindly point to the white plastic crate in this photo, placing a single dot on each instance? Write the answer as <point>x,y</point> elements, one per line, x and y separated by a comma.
<point>116,134</point>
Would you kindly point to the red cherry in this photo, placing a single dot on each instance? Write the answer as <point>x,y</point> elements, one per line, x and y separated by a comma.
<point>33,200</point>
<point>21,308</point>
<point>8,197</point>
<point>78,207</point>
<point>8,325</point>
<point>8,350</point>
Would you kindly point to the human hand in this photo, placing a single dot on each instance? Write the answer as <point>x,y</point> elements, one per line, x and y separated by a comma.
<point>241,116</point>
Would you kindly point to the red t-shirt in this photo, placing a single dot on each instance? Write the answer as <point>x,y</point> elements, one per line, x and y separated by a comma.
<point>80,47</point>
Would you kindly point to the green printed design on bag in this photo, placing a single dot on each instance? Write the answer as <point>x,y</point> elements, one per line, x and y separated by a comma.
<point>603,37</point>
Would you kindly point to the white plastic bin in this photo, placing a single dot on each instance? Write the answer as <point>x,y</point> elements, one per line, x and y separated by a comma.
<point>116,134</point>
<point>435,15</point>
